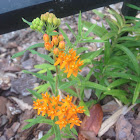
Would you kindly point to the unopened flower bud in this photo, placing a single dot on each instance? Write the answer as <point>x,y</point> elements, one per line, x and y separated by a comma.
<point>50,20</point>
<point>61,45</point>
<point>35,26</point>
<point>46,38</point>
<point>39,28</point>
<point>58,22</point>
<point>48,46</point>
<point>31,27</point>
<point>55,21</point>
<point>42,17</point>
<point>54,35</point>
<point>56,51</point>
<point>51,15</point>
<point>60,38</point>
<point>41,23</point>
<point>46,17</point>
<point>55,41</point>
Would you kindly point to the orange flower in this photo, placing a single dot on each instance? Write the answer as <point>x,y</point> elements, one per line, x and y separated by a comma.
<point>62,112</point>
<point>74,121</point>
<point>48,46</point>
<point>65,109</point>
<point>46,38</point>
<point>70,62</point>
<point>62,123</point>
<point>61,45</point>
<point>52,112</point>
<point>56,51</point>
<point>60,38</point>
<point>67,101</point>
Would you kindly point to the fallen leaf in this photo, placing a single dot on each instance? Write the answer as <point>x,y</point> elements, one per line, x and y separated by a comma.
<point>91,125</point>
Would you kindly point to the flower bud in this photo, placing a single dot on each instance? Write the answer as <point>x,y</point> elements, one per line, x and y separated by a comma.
<point>35,26</point>
<point>51,15</point>
<point>46,16</point>
<point>55,41</point>
<point>41,23</point>
<point>61,45</point>
<point>32,27</point>
<point>39,28</point>
<point>60,38</point>
<point>50,20</point>
<point>42,17</point>
<point>54,35</point>
<point>46,38</point>
<point>58,22</point>
<point>56,51</point>
<point>37,22</point>
<point>48,46</point>
<point>55,21</point>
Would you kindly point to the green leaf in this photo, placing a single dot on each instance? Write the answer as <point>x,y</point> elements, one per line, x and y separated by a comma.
<point>131,57</point>
<point>125,38</point>
<point>38,75</point>
<point>117,16</point>
<point>136,93</point>
<point>85,108</point>
<point>99,31</point>
<point>57,132</point>
<point>79,24</point>
<point>48,134</point>
<point>81,49</point>
<point>43,88</point>
<point>89,74</point>
<point>90,103</point>
<point>101,15</point>
<point>67,84</point>
<point>70,91</point>
<point>138,101</point>
<point>130,17</point>
<point>89,30</point>
<point>134,7</point>
<point>93,85</point>
<point>120,94</point>
<point>33,122</point>
<point>71,29</point>
<point>91,41</point>
<point>51,80</point>
<point>29,23</point>
<point>66,37</point>
<point>118,82</point>
<point>46,57</point>
<point>131,43</point>
<point>123,75</point>
<point>29,48</point>
<point>109,35</point>
<point>107,52</point>
<point>112,26</point>
<point>91,55</point>
<point>74,131</point>
<point>37,95</point>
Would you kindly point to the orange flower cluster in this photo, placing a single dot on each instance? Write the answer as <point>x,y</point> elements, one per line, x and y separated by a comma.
<point>56,44</point>
<point>70,62</point>
<point>65,109</point>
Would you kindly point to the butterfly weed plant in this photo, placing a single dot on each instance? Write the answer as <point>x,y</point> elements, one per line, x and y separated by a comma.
<point>118,72</point>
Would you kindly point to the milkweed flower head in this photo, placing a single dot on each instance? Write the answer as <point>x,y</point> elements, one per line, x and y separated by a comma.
<point>65,110</point>
<point>70,62</point>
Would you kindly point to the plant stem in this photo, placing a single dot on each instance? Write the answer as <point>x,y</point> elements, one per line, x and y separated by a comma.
<point>56,82</point>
